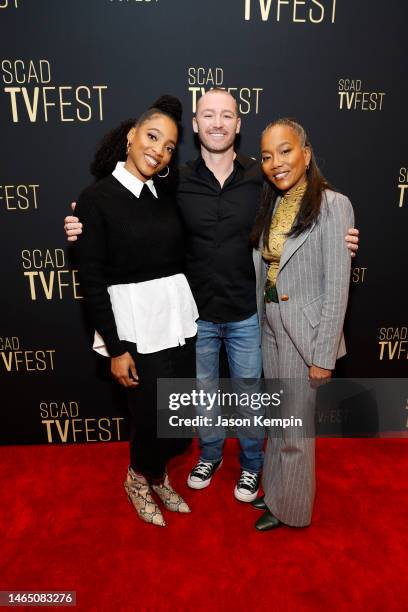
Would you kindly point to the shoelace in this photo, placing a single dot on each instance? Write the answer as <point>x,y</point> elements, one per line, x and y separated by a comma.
<point>248,479</point>
<point>202,469</point>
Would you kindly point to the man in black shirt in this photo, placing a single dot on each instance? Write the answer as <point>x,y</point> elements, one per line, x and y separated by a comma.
<point>218,196</point>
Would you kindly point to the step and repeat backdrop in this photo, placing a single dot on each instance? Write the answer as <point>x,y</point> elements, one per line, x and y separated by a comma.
<point>71,70</point>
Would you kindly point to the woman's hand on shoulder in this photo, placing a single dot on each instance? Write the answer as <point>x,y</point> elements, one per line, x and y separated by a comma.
<point>120,367</point>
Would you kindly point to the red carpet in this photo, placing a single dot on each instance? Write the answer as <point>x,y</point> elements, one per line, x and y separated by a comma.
<point>67,525</point>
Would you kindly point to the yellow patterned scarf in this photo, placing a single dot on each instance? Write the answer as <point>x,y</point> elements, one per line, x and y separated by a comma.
<point>283,218</point>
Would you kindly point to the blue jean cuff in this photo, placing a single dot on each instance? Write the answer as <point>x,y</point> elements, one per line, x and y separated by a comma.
<point>251,469</point>
<point>210,460</point>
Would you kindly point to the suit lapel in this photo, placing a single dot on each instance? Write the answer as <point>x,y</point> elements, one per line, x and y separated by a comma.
<point>260,265</point>
<point>291,246</point>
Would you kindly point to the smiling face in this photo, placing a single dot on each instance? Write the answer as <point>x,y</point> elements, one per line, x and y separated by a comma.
<point>216,121</point>
<point>284,158</point>
<point>152,144</point>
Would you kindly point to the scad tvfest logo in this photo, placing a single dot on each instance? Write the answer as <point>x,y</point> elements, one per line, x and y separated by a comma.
<point>14,358</point>
<point>352,97</point>
<point>402,186</point>
<point>62,423</point>
<point>201,79</point>
<point>295,11</point>
<point>48,275</point>
<point>393,343</point>
<point>31,94</point>
<point>19,197</point>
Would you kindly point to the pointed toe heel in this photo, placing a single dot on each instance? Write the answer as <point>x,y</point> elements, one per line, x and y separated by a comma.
<point>139,495</point>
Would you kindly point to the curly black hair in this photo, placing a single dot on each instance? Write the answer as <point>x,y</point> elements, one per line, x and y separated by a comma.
<point>112,148</point>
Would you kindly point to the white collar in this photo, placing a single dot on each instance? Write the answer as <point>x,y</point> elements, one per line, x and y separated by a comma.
<point>131,182</point>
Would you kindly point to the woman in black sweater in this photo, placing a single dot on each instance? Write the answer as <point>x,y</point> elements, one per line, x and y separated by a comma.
<point>131,270</point>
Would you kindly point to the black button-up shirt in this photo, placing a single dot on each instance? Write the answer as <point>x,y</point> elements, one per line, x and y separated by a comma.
<point>218,221</point>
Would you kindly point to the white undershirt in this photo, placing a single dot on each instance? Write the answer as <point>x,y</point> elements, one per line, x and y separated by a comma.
<point>156,314</point>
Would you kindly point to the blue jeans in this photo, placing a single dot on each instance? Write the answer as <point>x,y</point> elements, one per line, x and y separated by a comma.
<point>242,344</point>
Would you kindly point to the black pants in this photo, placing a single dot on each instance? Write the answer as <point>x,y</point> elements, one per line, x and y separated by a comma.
<point>148,453</point>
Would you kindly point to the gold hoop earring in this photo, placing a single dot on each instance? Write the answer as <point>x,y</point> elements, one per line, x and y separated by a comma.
<point>164,175</point>
<point>129,144</point>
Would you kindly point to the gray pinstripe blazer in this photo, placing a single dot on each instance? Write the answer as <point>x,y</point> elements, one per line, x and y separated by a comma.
<point>314,273</point>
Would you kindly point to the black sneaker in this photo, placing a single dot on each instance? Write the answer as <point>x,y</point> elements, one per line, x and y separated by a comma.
<point>247,486</point>
<point>200,476</point>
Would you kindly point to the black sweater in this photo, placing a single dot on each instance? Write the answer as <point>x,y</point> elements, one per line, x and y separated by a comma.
<point>125,240</point>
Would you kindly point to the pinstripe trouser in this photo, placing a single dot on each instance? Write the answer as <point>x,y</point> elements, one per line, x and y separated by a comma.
<point>289,466</point>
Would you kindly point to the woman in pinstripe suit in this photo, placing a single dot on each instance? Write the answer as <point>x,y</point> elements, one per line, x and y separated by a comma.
<point>303,273</point>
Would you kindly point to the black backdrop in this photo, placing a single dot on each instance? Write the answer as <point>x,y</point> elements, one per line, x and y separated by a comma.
<point>70,70</point>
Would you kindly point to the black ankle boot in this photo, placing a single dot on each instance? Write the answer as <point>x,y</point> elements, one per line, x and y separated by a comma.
<point>259,503</point>
<point>267,522</point>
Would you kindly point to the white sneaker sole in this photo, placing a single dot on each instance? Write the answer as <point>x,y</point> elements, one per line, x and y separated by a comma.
<point>201,484</point>
<point>244,497</point>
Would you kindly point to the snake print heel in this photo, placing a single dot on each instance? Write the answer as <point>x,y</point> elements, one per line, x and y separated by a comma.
<point>139,494</point>
<point>170,498</point>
